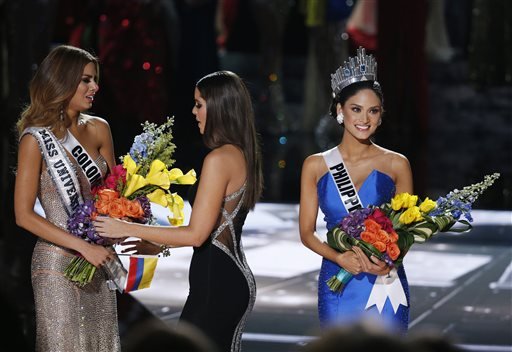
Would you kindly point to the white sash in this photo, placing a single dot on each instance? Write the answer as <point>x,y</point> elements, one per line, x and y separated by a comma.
<point>89,167</point>
<point>59,167</point>
<point>384,287</point>
<point>344,185</point>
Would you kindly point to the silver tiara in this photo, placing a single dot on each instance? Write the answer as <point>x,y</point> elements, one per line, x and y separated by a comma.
<point>359,68</point>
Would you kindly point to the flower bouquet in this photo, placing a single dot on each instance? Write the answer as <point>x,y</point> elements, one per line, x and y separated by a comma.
<point>127,191</point>
<point>388,231</point>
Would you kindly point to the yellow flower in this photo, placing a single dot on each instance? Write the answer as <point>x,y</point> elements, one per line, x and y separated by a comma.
<point>159,197</point>
<point>397,202</point>
<point>410,215</point>
<point>177,176</point>
<point>411,201</point>
<point>176,206</point>
<point>130,165</point>
<point>136,182</point>
<point>158,175</point>
<point>428,205</point>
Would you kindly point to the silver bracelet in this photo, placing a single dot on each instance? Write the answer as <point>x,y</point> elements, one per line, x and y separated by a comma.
<point>165,250</point>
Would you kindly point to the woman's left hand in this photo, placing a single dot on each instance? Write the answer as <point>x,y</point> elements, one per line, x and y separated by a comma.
<point>110,227</point>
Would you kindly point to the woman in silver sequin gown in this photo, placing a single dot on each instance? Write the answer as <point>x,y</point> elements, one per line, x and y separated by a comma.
<point>68,318</point>
<point>222,287</point>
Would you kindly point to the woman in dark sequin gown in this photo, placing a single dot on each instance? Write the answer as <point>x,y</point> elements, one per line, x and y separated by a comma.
<point>68,317</point>
<point>222,287</point>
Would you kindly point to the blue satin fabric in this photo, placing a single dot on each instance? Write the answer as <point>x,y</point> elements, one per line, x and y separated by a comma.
<point>349,306</point>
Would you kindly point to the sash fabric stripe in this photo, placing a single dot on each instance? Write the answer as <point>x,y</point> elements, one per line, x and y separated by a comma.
<point>346,189</point>
<point>58,166</point>
<point>90,169</point>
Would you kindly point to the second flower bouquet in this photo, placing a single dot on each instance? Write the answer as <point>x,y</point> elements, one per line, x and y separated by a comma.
<point>388,231</point>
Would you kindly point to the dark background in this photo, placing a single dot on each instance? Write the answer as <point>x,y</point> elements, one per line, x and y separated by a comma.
<point>445,68</point>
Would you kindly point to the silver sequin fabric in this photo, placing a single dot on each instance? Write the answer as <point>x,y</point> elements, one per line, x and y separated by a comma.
<point>69,318</point>
<point>227,237</point>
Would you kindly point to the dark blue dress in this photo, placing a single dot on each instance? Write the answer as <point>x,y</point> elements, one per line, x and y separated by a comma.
<point>349,306</point>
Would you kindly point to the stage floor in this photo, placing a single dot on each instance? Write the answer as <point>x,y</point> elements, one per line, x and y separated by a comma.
<point>460,285</point>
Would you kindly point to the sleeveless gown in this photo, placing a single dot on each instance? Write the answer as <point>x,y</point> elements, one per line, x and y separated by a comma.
<point>348,306</point>
<point>222,286</point>
<point>69,318</point>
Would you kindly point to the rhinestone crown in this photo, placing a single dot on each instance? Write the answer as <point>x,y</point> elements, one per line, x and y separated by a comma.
<point>359,68</point>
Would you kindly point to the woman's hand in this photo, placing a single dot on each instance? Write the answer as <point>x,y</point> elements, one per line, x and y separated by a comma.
<point>112,241</point>
<point>349,261</point>
<point>109,227</point>
<point>373,266</point>
<point>97,255</point>
<point>141,247</point>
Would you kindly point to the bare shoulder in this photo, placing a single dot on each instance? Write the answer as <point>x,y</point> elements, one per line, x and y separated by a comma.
<point>223,153</point>
<point>392,156</point>
<point>314,166</point>
<point>225,156</point>
<point>313,161</point>
<point>97,128</point>
<point>29,151</point>
<point>28,142</point>
<point>96,122</point>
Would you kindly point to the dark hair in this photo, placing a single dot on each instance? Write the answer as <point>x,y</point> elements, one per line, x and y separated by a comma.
<point>54,85</point>
<point>230,120</point>
<point>353,89</point>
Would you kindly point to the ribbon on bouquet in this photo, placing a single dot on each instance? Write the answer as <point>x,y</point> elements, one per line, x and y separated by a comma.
<point>387,286</point>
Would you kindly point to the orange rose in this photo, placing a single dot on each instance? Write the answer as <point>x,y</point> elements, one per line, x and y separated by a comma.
<point>102,206</point>
<point>383,237</point>
<point>133,208</point>
<point>372,226</point>
<point>393,237</point>
<point>381,246</point>
<point>116,209</point>
<point>108,195</point>
<point>369,237</point>
<point>393,251</point>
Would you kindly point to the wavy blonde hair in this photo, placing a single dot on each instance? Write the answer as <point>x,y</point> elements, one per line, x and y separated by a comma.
<point>53,86</point>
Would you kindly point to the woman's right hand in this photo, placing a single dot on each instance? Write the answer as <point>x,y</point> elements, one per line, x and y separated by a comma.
<point>373,266</point>
<point>349,261</point>
<point>141,247</point>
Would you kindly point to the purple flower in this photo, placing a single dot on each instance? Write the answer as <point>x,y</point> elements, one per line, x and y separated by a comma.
<point>80,223</point>
<point>353,223</point>
<point>146,207</point>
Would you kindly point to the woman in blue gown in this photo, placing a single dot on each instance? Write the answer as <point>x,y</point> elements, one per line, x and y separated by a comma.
<point>355,173</point>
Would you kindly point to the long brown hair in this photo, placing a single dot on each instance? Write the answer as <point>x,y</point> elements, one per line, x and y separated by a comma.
<point>53,86</point>
<point>230,120</point>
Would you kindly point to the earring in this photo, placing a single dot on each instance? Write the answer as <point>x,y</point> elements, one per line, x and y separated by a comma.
<point>61,115</point>
<point>339,118</point>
